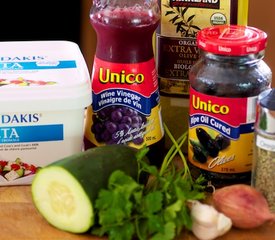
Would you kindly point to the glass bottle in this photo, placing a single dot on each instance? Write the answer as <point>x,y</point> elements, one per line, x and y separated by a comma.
<point>177,51</point>
<point>126,105</point>
<point>263,170</point>
<point>224,86</point>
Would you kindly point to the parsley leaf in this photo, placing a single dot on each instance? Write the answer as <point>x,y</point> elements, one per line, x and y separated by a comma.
<point>158,210</point>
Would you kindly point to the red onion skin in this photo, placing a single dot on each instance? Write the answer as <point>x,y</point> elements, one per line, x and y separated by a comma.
<point>246,206</point>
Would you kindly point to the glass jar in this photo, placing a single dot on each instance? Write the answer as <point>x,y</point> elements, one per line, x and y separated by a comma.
<point>224,86</point>
<point>126,104</point>
<point>263,168</point>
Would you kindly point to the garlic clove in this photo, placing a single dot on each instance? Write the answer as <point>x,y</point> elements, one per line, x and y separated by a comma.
<point>224,224</point>
<point>204,233</point>
<point>204,213</point>
<point>208,223</point>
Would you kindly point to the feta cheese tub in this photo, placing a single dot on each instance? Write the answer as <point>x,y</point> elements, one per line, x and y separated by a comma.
<point>44,91</point>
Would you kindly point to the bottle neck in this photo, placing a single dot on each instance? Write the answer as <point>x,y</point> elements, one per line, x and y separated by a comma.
<point>124,45</point>
<point>124,31</point>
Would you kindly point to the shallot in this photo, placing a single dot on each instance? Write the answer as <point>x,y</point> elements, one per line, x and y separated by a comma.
<point>244,205</point>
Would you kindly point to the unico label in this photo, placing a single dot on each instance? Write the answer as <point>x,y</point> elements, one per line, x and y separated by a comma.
<point>221,132</point>
<point>125,107</point>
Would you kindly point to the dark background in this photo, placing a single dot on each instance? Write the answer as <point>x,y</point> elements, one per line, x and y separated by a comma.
<point>40,20</point>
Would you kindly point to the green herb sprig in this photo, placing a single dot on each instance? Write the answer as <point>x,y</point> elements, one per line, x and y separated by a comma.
<point>156,211</point>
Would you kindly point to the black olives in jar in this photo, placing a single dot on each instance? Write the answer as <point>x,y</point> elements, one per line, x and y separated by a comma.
<point>224,85</point>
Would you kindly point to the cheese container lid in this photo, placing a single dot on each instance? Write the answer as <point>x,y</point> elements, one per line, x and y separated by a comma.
<point>43,75</point>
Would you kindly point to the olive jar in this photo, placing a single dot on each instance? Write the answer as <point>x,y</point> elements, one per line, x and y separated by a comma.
<point>224,85</point>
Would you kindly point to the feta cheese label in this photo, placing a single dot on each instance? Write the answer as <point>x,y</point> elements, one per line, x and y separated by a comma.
<point>44,90</point>
<point>40,133</point>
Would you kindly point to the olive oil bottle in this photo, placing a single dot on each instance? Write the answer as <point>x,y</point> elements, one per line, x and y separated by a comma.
<point>176,49</point>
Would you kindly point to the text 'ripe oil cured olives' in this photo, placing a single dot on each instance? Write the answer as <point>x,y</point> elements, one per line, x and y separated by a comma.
<point>126,104</point>
<point>224,85</point>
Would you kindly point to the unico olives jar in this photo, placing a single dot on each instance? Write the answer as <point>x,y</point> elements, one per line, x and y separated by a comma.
<point>224,85</point>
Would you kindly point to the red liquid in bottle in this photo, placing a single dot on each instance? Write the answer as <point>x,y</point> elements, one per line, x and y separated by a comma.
<point>124,36</point>
<point>125,107</point>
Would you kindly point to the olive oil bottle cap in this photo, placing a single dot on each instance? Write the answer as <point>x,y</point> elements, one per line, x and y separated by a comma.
<point>266,111</point>
<point>232,40</point>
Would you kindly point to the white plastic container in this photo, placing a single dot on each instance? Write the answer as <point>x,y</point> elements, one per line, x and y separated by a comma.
<point>44,90</point>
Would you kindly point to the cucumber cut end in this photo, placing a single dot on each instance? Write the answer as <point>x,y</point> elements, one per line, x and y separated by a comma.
<point>61,200</point>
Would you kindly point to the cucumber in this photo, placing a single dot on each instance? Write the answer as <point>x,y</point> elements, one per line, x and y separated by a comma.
<point>64,191</point>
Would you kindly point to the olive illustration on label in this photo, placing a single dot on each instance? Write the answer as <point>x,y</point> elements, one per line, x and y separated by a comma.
<point>208,142</point>
<point>208,146</point>
<point>222,141</point>
<point>199,153</point>
<point>184,24</point>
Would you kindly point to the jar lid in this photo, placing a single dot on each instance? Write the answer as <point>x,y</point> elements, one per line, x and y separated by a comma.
<point>232,40</point>
<point>266,111</point>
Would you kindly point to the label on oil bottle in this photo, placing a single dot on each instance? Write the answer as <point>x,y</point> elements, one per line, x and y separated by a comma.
<point>221,132</point>
<point>125,107</point>
<point>176,37</point>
